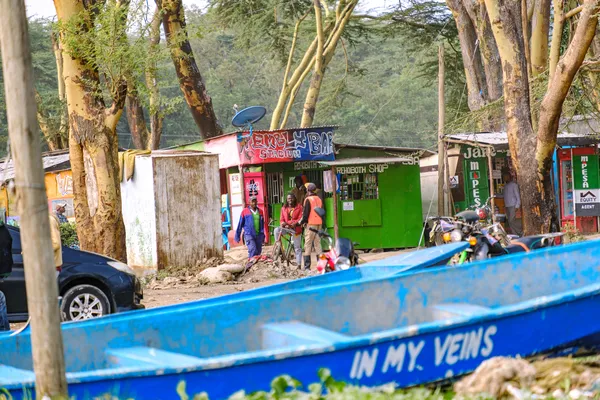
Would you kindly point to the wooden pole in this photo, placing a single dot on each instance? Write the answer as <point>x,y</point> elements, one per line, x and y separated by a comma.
<point>336,229</point>
<point>491,178</point>
<point>448,202</point>
<point>441,118</point>
<point>32,203</point>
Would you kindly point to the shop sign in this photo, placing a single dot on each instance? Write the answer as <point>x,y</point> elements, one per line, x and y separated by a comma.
<point>587,185</point>
<point>362,169</point>
<point>453,181</point>
<point>311,144</point>
<point>470,152</point>
<point>254,186</point>
<point>301,165</point>
<point>411,160</point>
<point>477,185</point>
<point>235,186</point>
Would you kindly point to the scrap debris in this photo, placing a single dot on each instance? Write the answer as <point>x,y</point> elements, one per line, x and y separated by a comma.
<point>514,378</point>
<point>228,270</point>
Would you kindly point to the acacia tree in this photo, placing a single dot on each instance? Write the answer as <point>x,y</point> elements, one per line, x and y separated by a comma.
<point>191,81</point>
<point>150,74</point>
<point>532,137</point>
<point>281,25</point>
<point>91,72</point>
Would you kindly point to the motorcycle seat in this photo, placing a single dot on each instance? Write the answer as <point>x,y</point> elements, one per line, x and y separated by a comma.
<point>468,216</point>
<point>532,242</point>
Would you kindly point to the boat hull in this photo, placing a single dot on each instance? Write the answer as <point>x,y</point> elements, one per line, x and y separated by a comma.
<point>428,355</point>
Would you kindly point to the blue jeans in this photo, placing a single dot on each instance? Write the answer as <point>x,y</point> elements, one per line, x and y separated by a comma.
<point>4,325</point>
<point>254,244</point>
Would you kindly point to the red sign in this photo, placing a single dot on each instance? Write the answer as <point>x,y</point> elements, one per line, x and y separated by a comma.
<point>254,185</point>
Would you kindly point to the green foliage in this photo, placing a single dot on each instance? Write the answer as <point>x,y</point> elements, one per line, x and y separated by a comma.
<point>379,95</point>
<point>68,234</point>
<point>285,387</point>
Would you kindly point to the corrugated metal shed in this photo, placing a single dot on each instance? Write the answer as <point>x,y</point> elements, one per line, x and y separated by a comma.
<point>365,160</point>
<point>49,161</point>
<point>500,139</point>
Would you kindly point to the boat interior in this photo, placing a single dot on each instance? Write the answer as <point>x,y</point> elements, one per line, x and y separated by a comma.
<point>211,334</point>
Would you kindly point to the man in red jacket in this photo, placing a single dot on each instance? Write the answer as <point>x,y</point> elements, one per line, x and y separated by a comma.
<point>291,213</point>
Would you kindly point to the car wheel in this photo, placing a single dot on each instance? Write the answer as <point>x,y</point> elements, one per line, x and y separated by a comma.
<point>84,302</point>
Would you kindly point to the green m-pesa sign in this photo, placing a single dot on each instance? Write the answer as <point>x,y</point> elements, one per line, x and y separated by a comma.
<point>587,185</point>
<point>476,178</point>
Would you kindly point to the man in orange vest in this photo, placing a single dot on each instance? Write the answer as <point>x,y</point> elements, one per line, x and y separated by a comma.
<point>312,220</point>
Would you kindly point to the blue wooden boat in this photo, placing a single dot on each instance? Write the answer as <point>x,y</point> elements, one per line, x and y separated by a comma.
<point>406,328</point>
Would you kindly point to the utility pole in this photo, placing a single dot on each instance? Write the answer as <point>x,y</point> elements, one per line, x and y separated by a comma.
<point>32,204</point>
<point>441,149</point>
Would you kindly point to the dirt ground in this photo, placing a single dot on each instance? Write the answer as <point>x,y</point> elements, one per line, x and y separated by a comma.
<point>184,291</point>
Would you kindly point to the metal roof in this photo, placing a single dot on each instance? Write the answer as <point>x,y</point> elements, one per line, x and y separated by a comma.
<point>363,161</point>
<point>340,146</point>
<point>500,139</point>
<point>48,162</point>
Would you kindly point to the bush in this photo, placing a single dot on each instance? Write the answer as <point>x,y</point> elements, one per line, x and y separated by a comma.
<point>68,234</point>
<point>287,388</point>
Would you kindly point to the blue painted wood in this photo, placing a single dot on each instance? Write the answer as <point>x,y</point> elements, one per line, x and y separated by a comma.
<point>296,333</point>
<point>408,328</point>
<point>404,263</point>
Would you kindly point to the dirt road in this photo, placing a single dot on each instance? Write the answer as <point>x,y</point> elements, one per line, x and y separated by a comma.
<point>183,293</point>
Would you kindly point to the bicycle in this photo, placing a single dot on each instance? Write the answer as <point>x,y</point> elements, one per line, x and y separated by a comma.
<point>280,251</point>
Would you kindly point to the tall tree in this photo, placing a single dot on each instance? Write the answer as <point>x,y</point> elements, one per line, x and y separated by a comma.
<point>93,145</point>
<point>280,25</point>
<point>190,79</point>
<point>532,149</point>
<point>325,50</point>
<point>150,73</point>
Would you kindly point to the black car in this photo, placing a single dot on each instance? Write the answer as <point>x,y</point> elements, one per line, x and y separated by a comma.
<point>90,284</point>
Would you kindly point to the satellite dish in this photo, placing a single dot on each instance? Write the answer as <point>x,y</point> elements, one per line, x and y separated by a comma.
<point>247,117</point>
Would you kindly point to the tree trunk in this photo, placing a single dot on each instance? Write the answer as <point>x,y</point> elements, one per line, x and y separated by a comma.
<point>532,154</point>
<point>323,56</point>
<point>551,107</point>
<point>317,79</point>
<point>64,116</point>
<point>508,31</point>
<point>190,80</point>
<point>557,31</point>
<point>474,72</point>
<point>135,117</point>
<point>93,147</point>
<point>156,118</point>
<point>540,25</point>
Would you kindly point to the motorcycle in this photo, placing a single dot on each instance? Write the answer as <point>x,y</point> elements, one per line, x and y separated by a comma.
<point>462,227</point>
<point>489,246</point>
<point>339,257</point>
<point>484,212</point>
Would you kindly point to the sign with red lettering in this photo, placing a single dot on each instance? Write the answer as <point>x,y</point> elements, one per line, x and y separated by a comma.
<point>290,145</point>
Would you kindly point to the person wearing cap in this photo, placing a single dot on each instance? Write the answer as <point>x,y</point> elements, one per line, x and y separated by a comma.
<point>252,222</point>
<point>60,213</point>
<point>312,220</point>
<point>300,190</point>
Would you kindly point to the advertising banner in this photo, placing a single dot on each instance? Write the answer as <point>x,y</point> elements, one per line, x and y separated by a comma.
<point>289,145</point>
<point>587,185</point>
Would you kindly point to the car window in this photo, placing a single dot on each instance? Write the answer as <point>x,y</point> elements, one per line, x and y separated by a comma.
<point>16,238</point>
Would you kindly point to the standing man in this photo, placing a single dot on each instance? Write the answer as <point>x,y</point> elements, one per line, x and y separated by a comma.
<point>300,190</point>
<point>252,222</point>
<point>312,220</point>
<point>291,214</point>
<point>56,242</point>
<point>512,202</point>
<point>60,213</point>
<point>6,264</point>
